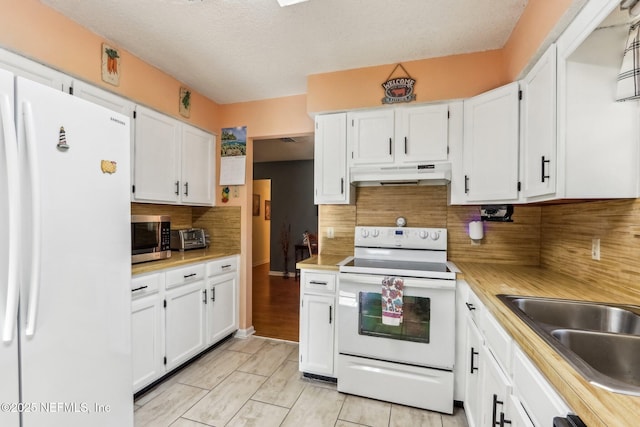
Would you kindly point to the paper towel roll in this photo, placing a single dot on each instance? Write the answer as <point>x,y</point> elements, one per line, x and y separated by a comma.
<point>476,230</point>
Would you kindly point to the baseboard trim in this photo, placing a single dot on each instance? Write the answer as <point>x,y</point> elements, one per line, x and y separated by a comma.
<point>244,333</point>
<point>281,273</point>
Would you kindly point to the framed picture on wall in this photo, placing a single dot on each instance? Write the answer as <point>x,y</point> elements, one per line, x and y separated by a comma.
<point>256,205</point>
<point>267,210</point>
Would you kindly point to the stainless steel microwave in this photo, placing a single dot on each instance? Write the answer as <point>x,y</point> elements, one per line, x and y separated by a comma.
<point>150,237</point>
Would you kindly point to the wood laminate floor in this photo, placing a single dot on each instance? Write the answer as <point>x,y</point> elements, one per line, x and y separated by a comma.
<point>276,305</point>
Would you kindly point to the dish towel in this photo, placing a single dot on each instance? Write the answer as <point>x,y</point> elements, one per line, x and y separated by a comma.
<point>392,290</point>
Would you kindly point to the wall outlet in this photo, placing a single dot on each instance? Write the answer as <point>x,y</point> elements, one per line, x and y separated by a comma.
<point>330,233</point>
<point>595,249</point>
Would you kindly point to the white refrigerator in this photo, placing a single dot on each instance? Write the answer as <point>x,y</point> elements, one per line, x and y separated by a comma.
<point>65,307</point>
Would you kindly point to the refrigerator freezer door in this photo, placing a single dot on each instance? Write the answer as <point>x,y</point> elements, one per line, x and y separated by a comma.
<point>9,229</point>
<point>75,314</point>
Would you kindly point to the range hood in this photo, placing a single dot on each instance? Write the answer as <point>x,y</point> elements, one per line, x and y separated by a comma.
<point>421,174</point>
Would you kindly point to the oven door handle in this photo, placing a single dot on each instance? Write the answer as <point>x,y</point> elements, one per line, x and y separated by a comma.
<point>355,281</point>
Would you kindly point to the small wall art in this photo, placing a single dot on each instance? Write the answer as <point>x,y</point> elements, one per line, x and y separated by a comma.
<point>185,102</point>
<point>110,65</point>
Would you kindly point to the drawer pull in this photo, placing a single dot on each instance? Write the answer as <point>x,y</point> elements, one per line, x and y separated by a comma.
<point>140,288</point>
<point>204,293</point>
<point>316,282</point>
<point>189,275</point>
<point>471,307</point>
<point>226,266</point>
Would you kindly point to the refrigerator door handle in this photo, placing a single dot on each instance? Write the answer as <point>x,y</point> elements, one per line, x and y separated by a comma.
<point>13,199</point>
<point>34,176</point>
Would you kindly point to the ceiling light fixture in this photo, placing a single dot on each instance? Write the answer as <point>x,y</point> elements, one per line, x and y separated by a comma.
<point>284,3</point>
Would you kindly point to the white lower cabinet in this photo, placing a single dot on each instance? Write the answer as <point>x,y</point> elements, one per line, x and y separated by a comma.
<point>178,313</point>
<point>473,392</point>
<point>147,330</point>
<point>317,322</point>
<point>185,313</point>
<point>502,387</point>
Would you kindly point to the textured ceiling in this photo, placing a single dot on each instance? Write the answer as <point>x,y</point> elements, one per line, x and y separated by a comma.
<point>243,50</point>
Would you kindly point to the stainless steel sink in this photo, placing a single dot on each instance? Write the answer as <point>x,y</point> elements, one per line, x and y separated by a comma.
<point>601,340</point>
<point>580,315</point>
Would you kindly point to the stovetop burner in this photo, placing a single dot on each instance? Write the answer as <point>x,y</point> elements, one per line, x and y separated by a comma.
<point>410,252</point>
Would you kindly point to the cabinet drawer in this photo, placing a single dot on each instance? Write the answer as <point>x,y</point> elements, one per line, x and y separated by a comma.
<point>539,398</point>
<point>474,306</point>
<point>184,275</point>
<point>498,340</point>
<point>146,284</point>
<point>313,281</point>
<point>222,266</point>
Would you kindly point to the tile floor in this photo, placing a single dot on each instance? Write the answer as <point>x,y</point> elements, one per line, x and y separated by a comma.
<point>255,382</point>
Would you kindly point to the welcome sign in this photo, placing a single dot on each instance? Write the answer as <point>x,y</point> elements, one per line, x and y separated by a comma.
<point>399,89</point>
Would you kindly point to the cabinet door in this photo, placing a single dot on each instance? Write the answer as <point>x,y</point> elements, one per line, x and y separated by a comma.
<point>23,67</point>
<point>156,157</point>
<point>147,340</point>
<point>539,127</point>
<point>371,136</point>
<point>222,307</point>
<point>422,133</point>
<point>102,97</point>
<point>198,160</point>
<point>490,148</point>
<point>474,350</point>
<point>185,320</point>
<point>317,315</point>
<point>330,160</point>
<point>495,396</point>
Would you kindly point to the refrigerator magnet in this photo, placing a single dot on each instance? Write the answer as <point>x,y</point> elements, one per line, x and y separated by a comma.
<point>108,166</point>
<point>62,140</point>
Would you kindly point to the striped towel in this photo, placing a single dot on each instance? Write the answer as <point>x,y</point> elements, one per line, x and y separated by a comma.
<point>392,290</point>
<point>629,76</point>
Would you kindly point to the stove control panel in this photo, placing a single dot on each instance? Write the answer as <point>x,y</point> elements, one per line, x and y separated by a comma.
<point>402,237</point>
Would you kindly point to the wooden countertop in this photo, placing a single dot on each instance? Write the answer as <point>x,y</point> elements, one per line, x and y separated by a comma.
<point>321,262</point>
<point>177,259</point>
<point>594,405</point>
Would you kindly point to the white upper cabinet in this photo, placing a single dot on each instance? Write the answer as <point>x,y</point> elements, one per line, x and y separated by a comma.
<point>34,71</point>
<point>156,163</point>
<point>102,97</point>
<point>421,133</point>
<point>371,136</point>
<point>490,147</point>
<point>331,179</point>
<point>400,136</point>
<point>538,140</point>
<point>173,161</point>
<point>198,162</point>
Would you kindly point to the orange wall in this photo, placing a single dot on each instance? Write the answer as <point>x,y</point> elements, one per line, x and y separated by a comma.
<point>536,22</point>
<point>39,32</point>
<point>449,77</point>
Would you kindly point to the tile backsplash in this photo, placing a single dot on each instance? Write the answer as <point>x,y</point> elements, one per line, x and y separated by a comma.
<point>555,236</point>
<point>222,224</point>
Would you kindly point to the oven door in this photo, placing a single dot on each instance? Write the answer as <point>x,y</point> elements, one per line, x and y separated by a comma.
<point>426,336</point>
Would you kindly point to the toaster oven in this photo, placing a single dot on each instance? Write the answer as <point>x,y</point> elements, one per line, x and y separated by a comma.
<point>190,238</point>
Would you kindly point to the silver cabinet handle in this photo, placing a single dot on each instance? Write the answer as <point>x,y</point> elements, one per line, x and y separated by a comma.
<point>186,189</point>
<point>177,188</point>
<point>204,292</point>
